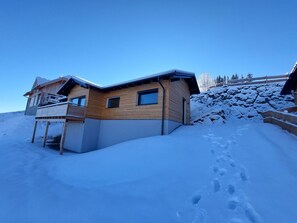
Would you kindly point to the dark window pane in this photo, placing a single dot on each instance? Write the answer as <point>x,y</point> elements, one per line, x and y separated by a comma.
<point>74,100</point>
<point>147,98</point>
<point>82,101</point>
<point>113,103</point>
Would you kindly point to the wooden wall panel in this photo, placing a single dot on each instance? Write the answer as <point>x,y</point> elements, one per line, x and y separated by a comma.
<point>78,91</point>
<point>178,91</point>
<point>128,108</point>
<point>52,88</point>
<point>94,109</point>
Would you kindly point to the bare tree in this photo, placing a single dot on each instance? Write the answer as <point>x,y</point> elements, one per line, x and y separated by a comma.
<point>205,81</point>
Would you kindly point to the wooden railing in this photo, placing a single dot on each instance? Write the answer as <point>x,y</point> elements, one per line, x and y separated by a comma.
<point>283,118</point>
<point>61,110</point>
<point>256,80</point>
<point>48,98</point>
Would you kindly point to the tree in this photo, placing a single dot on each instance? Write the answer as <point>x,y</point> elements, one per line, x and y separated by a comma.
<point>219,79</point>
<point>249,76</point>
<point>205,81</point>
<point>234,77</point>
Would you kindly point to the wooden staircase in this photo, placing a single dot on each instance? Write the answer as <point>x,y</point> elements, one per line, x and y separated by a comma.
<point>285,118</point>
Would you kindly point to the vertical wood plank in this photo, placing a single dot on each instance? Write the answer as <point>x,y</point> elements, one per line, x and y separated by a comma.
<point>34,132</point>
<point>45,134</point>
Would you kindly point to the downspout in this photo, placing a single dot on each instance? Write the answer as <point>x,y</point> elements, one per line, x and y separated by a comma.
<point>163,106</point>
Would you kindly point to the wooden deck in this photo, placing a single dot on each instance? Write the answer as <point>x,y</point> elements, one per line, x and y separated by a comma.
<point>65,110</point>
<point>60,112</point>
<point>283,118</point>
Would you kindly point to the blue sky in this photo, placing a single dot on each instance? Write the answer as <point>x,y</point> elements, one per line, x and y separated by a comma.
<point>112,41</point>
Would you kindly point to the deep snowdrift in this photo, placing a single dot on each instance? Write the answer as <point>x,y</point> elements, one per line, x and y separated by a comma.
<point>219,105</point>
<point>242,171</point>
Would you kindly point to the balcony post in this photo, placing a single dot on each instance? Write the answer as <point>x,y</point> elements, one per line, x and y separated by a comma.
<point>45,134</point>
<point>63,137</point>
<point>34,132</point>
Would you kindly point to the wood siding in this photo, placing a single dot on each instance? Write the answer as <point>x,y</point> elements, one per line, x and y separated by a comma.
<point>178,91</point>
<point>128,108</point>
<point>78,91</point>
<point>94,109</point>
<point>52,88</point>
<point>175,92</point>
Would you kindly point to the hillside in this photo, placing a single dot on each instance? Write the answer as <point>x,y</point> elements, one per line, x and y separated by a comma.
<point>238,172</point>
<point>222,104</point>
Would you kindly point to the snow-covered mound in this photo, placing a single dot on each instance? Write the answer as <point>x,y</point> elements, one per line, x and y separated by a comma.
<point>240,172</point>
<point>221,104</point>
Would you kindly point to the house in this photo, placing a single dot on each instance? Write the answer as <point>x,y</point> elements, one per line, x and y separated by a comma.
<point>291,84</point>
<point>95,117</point>
<point>43,92</point>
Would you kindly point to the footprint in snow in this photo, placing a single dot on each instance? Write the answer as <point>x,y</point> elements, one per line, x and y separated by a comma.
<point>243,175</point>
<point>196,199</point>
<point>222,171</point>
<point>231,189</point>
<point>216,185</point>
<point>215,169</point>
<point>232,163</point>
<point>232,204</point>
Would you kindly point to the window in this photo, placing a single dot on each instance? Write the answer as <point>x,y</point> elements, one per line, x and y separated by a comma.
<point>81,101</point>
<point>31,101</point>
<point>113,102</point>
<point>148,97</point>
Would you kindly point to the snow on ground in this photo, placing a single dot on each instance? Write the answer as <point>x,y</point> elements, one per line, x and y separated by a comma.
<point>239,172</point>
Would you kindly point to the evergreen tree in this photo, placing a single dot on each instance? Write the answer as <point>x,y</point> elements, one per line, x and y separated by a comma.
<point>249,76</point>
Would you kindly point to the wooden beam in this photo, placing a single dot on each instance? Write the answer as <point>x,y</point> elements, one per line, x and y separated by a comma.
<point>63,138</point>
<point>34,132</point>
<point>45,134</point>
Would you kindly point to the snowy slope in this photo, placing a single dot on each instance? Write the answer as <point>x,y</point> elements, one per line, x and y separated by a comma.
<point>243,171</point>
<point>221,104</point>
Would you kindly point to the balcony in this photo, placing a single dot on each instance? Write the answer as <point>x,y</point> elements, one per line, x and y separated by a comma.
<point>48,98</point>
<point>64,110</point>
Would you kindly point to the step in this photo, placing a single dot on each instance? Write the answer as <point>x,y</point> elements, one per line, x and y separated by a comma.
<point>290,127</point>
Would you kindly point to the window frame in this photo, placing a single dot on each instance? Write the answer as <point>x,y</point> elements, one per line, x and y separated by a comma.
<point>79,101</point>
<point>145,92</point>
<point>112,98</point>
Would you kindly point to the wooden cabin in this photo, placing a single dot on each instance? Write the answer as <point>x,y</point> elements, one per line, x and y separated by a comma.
<point>95,117</point>
<point>43,92</point>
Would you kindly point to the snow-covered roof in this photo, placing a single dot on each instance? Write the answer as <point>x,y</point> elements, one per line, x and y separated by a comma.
<point>294,68</point>
<point>150,77</point>
<point>189,76</point>
<point>85,81</point>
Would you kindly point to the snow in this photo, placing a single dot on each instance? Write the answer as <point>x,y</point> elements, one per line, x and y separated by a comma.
<point>241,171</point>
<point>181,73</point>
<point>238,102</point>
<point>79,79</point>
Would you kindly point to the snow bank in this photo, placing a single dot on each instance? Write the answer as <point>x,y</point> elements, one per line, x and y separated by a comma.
<point>240,172</point>
<point>219,105</point>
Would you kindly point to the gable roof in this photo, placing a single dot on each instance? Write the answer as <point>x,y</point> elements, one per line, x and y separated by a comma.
<point>41,82</point>
<point>291,83</point>
<point>171,74</point>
